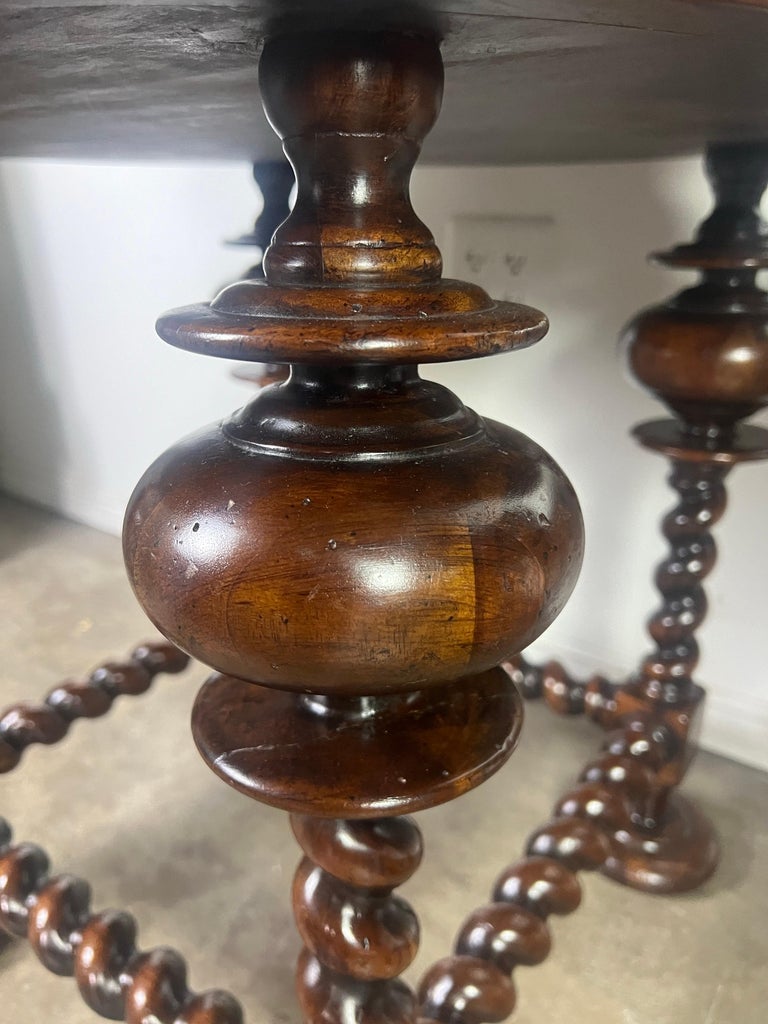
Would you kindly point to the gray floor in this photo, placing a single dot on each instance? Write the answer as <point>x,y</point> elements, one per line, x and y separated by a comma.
<point>126,802</point>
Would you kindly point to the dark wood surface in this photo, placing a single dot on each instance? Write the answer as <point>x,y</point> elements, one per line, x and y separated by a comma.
<point>355,530</point>
<point>594,827</point>
<point>116,978</point>
<point>704,352</point>
<point>358,936</point>
<point>527,80</point>
<point>47,722</point>
<point>362,756</point>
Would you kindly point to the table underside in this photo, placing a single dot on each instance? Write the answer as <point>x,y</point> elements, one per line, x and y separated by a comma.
<point>527,81</point>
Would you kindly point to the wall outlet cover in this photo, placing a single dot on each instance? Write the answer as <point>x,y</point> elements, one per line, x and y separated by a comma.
<point>508,256</point>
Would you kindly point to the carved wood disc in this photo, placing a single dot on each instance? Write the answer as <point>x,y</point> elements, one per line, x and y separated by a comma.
<point>356,758</point>
<point>748,443</point>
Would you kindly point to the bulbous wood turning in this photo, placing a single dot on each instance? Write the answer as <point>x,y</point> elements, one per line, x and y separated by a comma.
<point>115,978</point>
<point>356,532</point>
<point>357,529</point>
<point>705,351</point>
<point>358,936</point>
<point>22,725</point>
<point>355,552</point>
<point>666,674</point>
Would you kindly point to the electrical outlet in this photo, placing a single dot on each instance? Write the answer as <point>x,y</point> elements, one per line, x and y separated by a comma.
<point>508,256</point>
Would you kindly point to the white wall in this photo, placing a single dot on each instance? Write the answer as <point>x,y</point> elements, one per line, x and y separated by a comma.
<point>89,255</point>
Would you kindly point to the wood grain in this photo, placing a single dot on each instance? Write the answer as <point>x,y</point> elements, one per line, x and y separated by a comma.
<point>528,81</point>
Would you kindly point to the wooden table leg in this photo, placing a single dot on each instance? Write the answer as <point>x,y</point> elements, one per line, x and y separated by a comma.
<point>358,937</point>
<point>355,552</point>
<point>704,354</point>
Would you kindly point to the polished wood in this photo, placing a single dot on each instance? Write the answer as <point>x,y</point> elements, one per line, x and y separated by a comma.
<point>354,552</point>
<point>531,80</point>
<point>475,984</point>
<point>659,841</point>
<point>27,723</point>
<point>358,937</point>
<point>465,548</point>
<point>357,756</point>
<point>596,825</point>
<point>116,979</point>
<point>704,353</point>
<point>249,545</point>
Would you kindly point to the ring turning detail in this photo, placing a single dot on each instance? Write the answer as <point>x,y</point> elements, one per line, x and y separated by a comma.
<point>355,552</point>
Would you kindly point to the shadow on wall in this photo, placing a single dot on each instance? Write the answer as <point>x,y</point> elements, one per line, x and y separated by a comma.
<point>31,447</point>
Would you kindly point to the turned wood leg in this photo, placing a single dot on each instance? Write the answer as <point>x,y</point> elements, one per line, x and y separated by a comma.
<point>355,552</point>
<point>703,353</point>
<point>476,984</point>
<point>358,936</point>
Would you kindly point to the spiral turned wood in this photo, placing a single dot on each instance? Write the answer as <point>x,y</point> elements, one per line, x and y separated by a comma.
<point>586,832</point>
<point>666,674</point>
<point>24,724</point>
<point>115,978</point>
<point>704,353</point>
<point>563,693</point>
<point>475,984</point>
<point>358,936</point>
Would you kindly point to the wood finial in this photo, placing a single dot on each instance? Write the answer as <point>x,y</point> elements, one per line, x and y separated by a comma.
<point>352,274</point>
<point>352,110</point>
<point>704,352</point>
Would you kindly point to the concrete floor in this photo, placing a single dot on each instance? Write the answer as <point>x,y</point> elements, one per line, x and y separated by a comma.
<point>126,802</point>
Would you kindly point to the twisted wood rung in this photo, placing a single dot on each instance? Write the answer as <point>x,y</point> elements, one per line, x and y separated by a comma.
<point>358,935</point>
<point>474,985</point>
<point>115,978</point>
<point>26,723</point>
<point>563,693</point>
